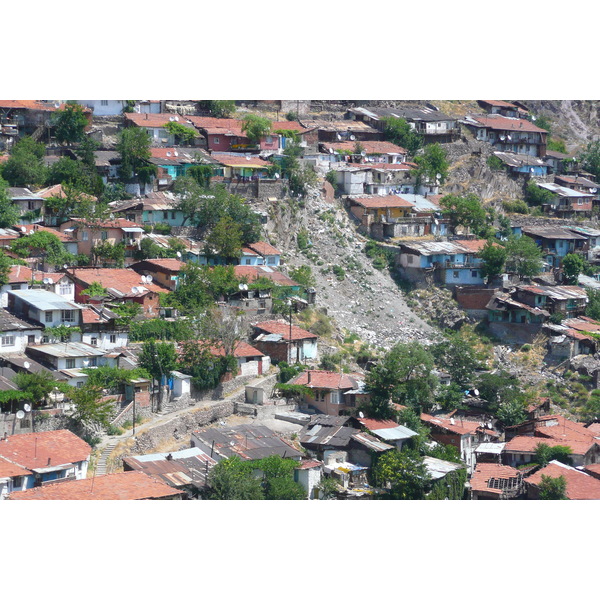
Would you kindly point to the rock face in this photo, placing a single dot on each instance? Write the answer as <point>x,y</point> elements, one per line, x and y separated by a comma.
<point>437,306</point>
<point>360,298</point>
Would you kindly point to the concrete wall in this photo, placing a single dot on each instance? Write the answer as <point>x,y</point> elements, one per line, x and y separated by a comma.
<point>515,333</point>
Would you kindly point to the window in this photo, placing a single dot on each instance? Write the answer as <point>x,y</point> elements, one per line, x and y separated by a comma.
<point>79,384</point>
<point>65,288</point>
<point>30,205</point>
<point>94,341</point>
<point>103,235</point>
<point>113,338</point>
<point>247,261</point>
<point>269,139</point>
<point>455,274</point>
<point>67,316</point>
<point>165,214</point>
<point>216,140</point>
<point>31,339</point>
<point>84,236</point>
<point>172,214</point>
<point>70,363</point>
<point>579,201</point>
<point>410,258</point>
<point>45,339</point>
<point>93,361</point>
<point>15,286</point>
<point>474,273</point>
<point>17,482</point>
<point>103,102</point>
<point>8,340</point>
<point>48,316</point>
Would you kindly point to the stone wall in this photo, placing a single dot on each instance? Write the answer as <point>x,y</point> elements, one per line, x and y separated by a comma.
<point>515,333</point>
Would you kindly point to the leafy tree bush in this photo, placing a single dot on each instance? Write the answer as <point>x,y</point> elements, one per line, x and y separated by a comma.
<point>287,371</point>
<point>450,487</point>
<point>553,488</point>
<point>495,163</point>
<point>304,276</point>
<point>224,240</point>
<point>523,257</point>
<point>25,167</point>
<point>536,196</point>
<point>592,310</point>
<point>494,258</point>
<point>544,454</point>
<point>70,124</point>
<point>9,214</point>
<point>399,132</point>
<point>255,127</point>
<point>206,368</point>
<point>42,244</point>
<point>466,211</point>
<point>456,356</point>
<point>159,329</point>
<point>432,164</point>
<point>134,147</point>
<point>403,474</point>
<point>183,135</point>
<point>404,376</point>
<point>590,158</point>
<point>220,109</point>
<point>515,206</point>
<point>572,266</point>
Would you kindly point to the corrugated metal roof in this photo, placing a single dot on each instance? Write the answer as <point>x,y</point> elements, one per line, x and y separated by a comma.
<point>438,468</point>
<point>490,448</point>
<point>393,434</point>
<point>44,300</point>
<point>70,349</point>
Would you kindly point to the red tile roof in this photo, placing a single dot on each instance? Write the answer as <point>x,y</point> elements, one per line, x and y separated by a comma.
<point>283,328</point>
<point>383,202</point>
<point>377,424</point>
<point>240,160</point>
<point>254,272</point>
<point>370,147</point>
<point>288,125</point>
<point>459,426</point>
<point>560,428</point>
<point>527,443</point>
<point>122,280</point>
<point>114,224</point>
<point>57,191</point>
<point>498,122</point>
<point>129,485</point>
<point>486,471</point>
<point>593,468</point>
<point>28,104</point>
<point>220,126</point>
<point>307,463</point>
<point>155,119</point>
<point>63,237</point>
<point>32,450</point>
<point>20,274</point>
<point>580,486</point>
<point>264,248</point>
<point>329,380</point>
<point>473,245</point>
<point>170,264</point>
<point>500,103</point>
<point>8,469</point>
<point>241,350</point>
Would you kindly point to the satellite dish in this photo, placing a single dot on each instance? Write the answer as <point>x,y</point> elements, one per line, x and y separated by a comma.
<point>330,150</point>
<point>593,190</point>
<point>20,414</point>
<point>532,170</point>
<point>175,153</point>
<point>178,256</point>
<point>47,280</point>
<point>26,364</point>
<point>168,154</point>
<point>149,277</point>
<point>247,157</point>
<point>24,229</point>
<point>451,420</point>
<point>27,407</point>
<point>533,118</point>
<point>143,279</point>
<point>363,153</point>
<point>438,176</point>
<point>476,392</point>
<point>276,175</point>
<point>352,137</point>
<point>176,118</point>
<point>361,415</point>
<point>134,290</point>
<point>65,266</point>
<point>112,216</point>
<point>171,118</point>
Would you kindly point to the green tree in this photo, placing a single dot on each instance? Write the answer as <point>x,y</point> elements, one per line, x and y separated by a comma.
<point>432,164</point>
<point>37,385</point>
<point>134,147</point>
<point>557,146</point>
<point>304,276</point>
<point>206,367</point>
<point>255,127</point>
<point>230,479</point>
<point>513,412</point>
<point>114,379</point>
<point>545,453</point>
<point>106,253</point>
<point>278,478</point>
<point>403,474</point>
<point>536,195</point>
<point>592,310</point>
<point>159,359</point>
<point>5,264</point>
<point>225,239</point>
<point>403,375</point>
<point>44,245</point>
<point>457,357</point>
<point>90,408</point>
<point>95,289</point>
<point>9,214</point>
<point>553,488</point>
<point>494,258</point>
<point>498,388</point>
<point>219,108</point>
<point>25,167</point>
<point>523,257</point>
<point>466,211</point>
<point>70,124</point>
<point>589,158</point>
<point>202,174</point>
<point>450,396</point>
<point>182,133</point>
<point>572,265</point>
<point>399,132</point>
<point>591,410</point>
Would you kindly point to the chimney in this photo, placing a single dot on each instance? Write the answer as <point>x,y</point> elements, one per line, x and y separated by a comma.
<point>146,116</point>
<point>169,457</point>
<point>49,460</point>
<point>309,373</point>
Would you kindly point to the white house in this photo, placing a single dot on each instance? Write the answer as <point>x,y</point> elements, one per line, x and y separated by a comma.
<point>19,278</point>
<point>47,308</point>
<point>16,334</point>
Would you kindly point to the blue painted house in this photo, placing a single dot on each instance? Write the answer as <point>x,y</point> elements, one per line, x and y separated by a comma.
<point>556,242</point>
<point>446,263</point>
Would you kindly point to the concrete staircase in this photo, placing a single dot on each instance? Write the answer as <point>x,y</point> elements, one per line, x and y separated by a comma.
<point>101,466</point>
